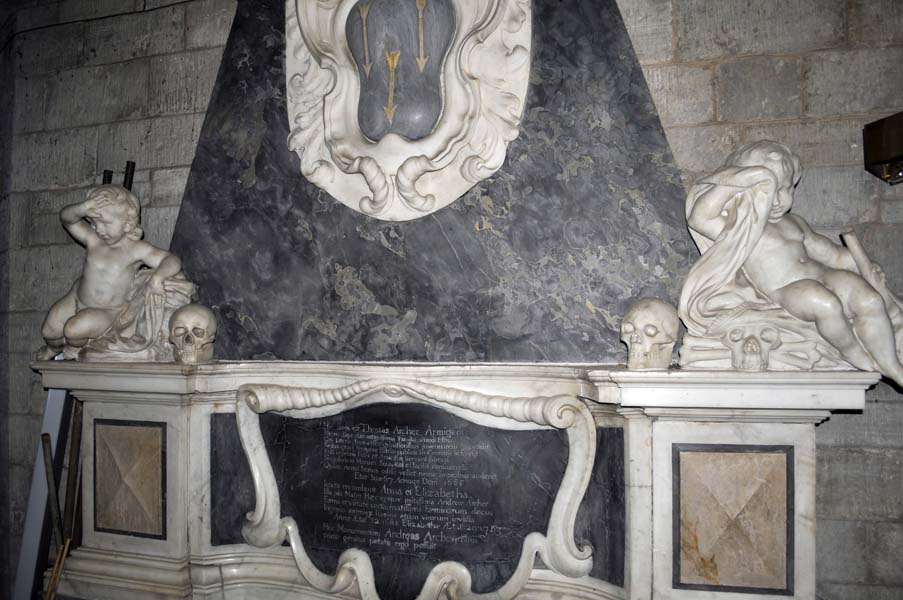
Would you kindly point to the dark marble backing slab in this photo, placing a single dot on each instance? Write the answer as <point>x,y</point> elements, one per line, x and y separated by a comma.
<point>528,464</point>
<point>535,264</point>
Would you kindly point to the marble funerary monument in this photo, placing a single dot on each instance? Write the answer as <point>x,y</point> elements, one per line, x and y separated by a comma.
<point>383,358</point>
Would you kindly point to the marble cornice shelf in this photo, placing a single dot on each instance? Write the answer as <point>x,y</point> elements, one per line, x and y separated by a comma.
<point>782,390</point>
<point>172,383</point>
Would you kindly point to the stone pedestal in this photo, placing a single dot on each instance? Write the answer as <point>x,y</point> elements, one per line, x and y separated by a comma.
<point>719,469</point>
<point>721,478</point>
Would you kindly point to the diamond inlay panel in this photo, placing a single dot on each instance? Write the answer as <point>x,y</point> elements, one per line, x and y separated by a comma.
<point>733,508</point>
<point>130,478</point>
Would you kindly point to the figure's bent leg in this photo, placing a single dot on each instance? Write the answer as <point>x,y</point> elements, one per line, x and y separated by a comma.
<point>54,323</point>
<point>88,324</point>
<point>870,320</point>
<point>810,301</point>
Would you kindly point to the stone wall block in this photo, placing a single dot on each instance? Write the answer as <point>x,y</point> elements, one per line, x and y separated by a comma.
<point>17,209</point>
<point>158,224</point>
<point>891,212</point>
<point>880,425</point>
<point>21,381</point>
<point>53,201</point>
<point>885,560</point>
<point>702,149</point>
<point>842,548</point>
<point>860,484</point>
<point>97,94</point>
<point>20,484</point>
<point>758,88</point>
<point>707,30</point>
<point>135,35</point>
<point>818,143</point>
<point>40,276</point>
<point>77,10</point>
<point>151,143</point>
<point>207,22</point>
<point>876,22</point>
<point>34,17</point>
<point>682,94</point>
<point>840,591</point>
<point>28,110</point>
<point>168,186</point>
<point>54,159</point>
<point>25,332</point>
<point>851,82</point>
<point>882,242</point>
<point>182,83</point>
<point>45,230</point>
<point>648,23</point>
<point>835,196</point>
<point>50,49</point>
<point>24,435</point>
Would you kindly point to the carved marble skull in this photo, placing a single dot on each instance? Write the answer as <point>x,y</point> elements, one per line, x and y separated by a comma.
<point>751,345</point>
<point>650,330</point>
<point>192,330</point>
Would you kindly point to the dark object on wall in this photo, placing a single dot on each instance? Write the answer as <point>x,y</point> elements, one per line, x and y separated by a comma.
<point>882,145</point>
<point>534,264</point>
<point>501,484</point>
<point>107,177</point>
<point>129,175</point>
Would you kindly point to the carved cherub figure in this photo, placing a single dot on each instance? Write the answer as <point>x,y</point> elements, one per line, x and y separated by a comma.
<point>740,218</point>
<point>118,303</point>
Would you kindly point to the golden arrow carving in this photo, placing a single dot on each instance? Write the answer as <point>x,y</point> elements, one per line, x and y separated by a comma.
<point>364,9</point>
<point>392,60</point>
<point>421,59</point>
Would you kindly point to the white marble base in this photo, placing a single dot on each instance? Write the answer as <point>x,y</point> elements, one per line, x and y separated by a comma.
<point>656,410</point>
<point>719,408</point>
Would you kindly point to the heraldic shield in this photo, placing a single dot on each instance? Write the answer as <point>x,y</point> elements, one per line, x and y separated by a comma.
<point>398,107</point>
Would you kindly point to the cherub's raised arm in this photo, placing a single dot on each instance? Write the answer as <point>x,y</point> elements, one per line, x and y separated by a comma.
<point>824,250</point>
<point>707,215</point>
<point>73,219</point>
<point>165,263</point>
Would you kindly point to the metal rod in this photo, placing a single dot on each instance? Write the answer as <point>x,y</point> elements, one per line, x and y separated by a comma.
<point>107,177</point>
<point>72,475</point>
<point>52,493</point>
<point>129,176</point>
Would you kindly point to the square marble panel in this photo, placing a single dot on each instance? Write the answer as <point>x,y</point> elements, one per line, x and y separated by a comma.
<point>130,478</point>
<point>735,506</point>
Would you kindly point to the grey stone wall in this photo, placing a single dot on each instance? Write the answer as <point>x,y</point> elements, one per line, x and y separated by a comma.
<point>94,83</point>
<point>94,80</point>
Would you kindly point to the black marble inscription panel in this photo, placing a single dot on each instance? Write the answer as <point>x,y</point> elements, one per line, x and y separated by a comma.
<point>416,487</point>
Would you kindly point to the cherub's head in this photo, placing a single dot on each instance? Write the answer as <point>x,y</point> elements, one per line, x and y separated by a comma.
<point>118,215</point>
<point>779,160</point>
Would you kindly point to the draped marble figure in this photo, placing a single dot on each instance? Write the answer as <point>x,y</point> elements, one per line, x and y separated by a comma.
<point>770,292</point>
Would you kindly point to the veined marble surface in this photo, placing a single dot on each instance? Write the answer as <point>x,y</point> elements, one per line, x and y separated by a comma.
<point>536,263</point>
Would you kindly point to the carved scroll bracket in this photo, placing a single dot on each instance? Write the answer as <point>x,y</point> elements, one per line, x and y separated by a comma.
<point>265,526</point>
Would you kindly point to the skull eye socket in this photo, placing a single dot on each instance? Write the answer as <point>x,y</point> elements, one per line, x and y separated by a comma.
<point>180,330</point>
<point>736,335</point>
<point>627,327</point>
<point>198,332</point>
<point>650,330</point>
<point>769,335</point>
